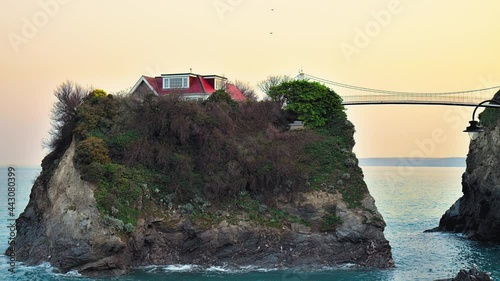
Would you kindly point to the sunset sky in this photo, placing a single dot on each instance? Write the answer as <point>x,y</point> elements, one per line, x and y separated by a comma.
<point>428,46</point>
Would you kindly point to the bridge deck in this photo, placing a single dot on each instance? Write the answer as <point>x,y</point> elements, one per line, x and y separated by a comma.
<point>417,103</point>
<point>355,95</point>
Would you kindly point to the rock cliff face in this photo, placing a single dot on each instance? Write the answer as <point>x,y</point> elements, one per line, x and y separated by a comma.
<point>476,212</point>
<point>62,225</point>
<point>358,241</point>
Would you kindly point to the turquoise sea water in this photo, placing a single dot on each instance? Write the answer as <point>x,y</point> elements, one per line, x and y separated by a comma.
<point>411,199</point>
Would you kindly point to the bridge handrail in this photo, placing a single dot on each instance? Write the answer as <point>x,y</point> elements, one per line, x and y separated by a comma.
<point>364,89</point>
<point>394,97</point>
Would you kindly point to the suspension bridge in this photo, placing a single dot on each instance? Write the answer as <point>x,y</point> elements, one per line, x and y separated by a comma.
<point>356,95</point>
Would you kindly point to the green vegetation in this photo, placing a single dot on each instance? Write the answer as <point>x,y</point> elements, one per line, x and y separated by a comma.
<point>315,104</point>
<point>328,160</point>
<point>329,169</point>
<point>92,150</point>
<point>245,208</point>
<point>120,190</point>
<point>490,116</point>
<point>215,160</point>
<point>330,222</point>
<point>222,96</point>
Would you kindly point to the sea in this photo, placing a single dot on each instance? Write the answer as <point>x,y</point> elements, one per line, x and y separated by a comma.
<point>411,200</point>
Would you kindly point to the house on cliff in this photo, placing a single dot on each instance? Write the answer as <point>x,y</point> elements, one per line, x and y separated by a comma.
<point>189,86</point>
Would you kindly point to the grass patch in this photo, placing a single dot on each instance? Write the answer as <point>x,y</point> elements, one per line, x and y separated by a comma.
<point>330,222</point>
<point>119,192</point>
<point>326,167</point>
<point>247,209</point>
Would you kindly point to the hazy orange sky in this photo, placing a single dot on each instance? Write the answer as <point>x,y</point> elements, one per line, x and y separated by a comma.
<point>408,46</point>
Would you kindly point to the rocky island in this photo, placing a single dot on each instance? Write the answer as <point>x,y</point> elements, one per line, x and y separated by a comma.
<point>472,274</point>
<point>158,180</point>
<point>476,213</point>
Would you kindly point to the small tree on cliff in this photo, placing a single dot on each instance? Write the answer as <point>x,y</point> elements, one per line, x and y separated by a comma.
<point>315,104</point>
<point>272,81</point>
<point>69,96</point>
<point>223,97</point>
<point>246,89</point>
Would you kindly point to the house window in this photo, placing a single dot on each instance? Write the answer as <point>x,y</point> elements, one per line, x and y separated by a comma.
<point>175,82</point>
<point>219,84</point>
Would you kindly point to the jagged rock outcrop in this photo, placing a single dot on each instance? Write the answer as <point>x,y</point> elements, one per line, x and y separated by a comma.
<point>472,275</point>
<point>62,225</point>
<point>476,213</point>
<point>358,241</point>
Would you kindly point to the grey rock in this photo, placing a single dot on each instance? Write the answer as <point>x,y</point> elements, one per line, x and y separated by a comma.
<point>350,162</point>
<point>187,208</point>
<point>114,211</point>
<point>472,275</point>
<point>262,209</point>
<point>50,229</point>
<point>475,213</point>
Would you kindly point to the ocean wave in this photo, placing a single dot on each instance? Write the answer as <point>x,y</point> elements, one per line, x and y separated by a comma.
<point>43,271</point>
<point>229,269</point>
<point>191,268</point>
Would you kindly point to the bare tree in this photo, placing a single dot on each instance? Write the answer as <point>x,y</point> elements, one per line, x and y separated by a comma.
<point>246,89</point>
<point>122,93</point>
<point>69,96</point>
<point>272,81</point>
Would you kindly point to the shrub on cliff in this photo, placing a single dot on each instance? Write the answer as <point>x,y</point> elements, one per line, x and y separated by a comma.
<point>211,149</point>
<point>92,150</point>
<point>315,104</point>
<point>95,116</point>
<point>330,222</point>
<point>222,96</point>
<point>490,116</point>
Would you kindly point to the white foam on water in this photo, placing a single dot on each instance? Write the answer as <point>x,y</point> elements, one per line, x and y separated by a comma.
<point>252,268</point>
<point>221,269</point>
<point>179,268</point>
<point>186,268</point>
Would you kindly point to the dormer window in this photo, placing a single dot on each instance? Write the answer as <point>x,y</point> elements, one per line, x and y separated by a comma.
<point>176,82</point>
<point>219,84</point>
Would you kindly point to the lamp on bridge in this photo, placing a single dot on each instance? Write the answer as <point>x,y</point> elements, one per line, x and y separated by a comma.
<point>474,128</point>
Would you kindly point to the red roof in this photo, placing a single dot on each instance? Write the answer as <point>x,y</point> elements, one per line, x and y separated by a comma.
<point>152,81</point>
<point>197,85</point>
<point>235,94</point>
